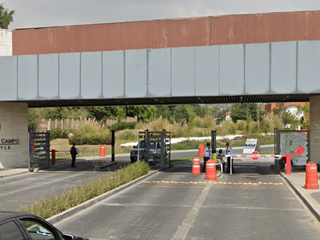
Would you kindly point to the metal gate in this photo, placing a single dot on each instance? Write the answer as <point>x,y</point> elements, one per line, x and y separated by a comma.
<point>157,147</point>
<point>39,150</point>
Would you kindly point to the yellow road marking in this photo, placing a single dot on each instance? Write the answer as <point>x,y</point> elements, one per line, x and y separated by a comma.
<point>224,183</point>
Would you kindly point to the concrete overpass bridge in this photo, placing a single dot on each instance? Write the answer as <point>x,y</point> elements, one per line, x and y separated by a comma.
<point>229,59</point>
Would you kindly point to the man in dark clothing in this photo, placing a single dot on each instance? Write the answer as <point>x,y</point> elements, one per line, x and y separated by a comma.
<point>73,152</point>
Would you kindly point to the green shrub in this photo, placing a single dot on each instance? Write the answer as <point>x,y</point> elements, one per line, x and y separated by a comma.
<point>270,122</point>
<point>53,205</point>
<point>90,132</point>
<point>123,125</point>
<point>90,139</point>
<point>59,133</point>
<point>241,125</point>
<point>227,127</point>
<point>128,135</point>
<point>200,132</point>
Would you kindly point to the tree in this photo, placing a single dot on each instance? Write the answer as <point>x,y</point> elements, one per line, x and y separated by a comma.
<point>101,112</point>
<point>243,111</point>
<point>181,114</point>
<point>143,113</point>
<point>33,119</point>
<point>6,17</point>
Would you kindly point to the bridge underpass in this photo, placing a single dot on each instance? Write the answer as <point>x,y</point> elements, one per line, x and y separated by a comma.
<point>262,72</point>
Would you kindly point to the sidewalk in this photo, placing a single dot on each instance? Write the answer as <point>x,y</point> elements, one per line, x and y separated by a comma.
<point>310,197</point>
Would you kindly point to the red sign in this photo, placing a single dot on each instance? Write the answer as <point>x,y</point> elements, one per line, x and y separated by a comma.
<point>255,155</point>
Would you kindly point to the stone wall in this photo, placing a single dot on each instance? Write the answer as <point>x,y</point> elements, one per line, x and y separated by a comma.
<point>14,144</point>
<point>5,42</point>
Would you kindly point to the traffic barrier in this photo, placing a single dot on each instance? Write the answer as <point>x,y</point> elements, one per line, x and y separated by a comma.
<point>211,171</point>
<point>196,166</point>
<point>311,176</point>
<point>201,150</point>
<point>102,150</point>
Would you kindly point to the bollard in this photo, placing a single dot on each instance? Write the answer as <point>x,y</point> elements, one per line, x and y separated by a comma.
<point>311,176</point>
<point>102,150</point>
<point>201,150</point>
<point>288,164</point>
<point>196,166</point>
<point>211,171</point>
<point>53,157</point>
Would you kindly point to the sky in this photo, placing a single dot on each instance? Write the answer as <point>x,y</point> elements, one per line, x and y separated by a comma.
<point>46,13</point>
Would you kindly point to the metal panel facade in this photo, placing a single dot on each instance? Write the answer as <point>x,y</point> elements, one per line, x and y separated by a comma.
<point>232,70</point>
<point>91,75</point>
<point>69,76</point>
<point>283,67</point>
<point>113,74</point>
<point>183,71</point>
<point>257,72</point>
<point>136,73</point>
<point>8,78</point>
<point>309,67</point>
<point>170,33</point>
<point>27,77</point>
<point>228,70</point>
<point>207,71</point>
<point>159,69</point>
<point>48,76</point>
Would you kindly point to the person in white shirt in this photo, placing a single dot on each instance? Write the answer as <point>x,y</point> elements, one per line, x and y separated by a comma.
<point>229,151</point>
<point>206,156</point>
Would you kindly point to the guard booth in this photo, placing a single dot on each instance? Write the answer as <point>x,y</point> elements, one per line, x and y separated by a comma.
<point>39,150</point>
<point>157,146</point>
<point>288,141</point>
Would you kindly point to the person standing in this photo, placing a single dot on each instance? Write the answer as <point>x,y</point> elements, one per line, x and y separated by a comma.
<point>73,152</point>
<point>206,156</point>
<point>229,151</point>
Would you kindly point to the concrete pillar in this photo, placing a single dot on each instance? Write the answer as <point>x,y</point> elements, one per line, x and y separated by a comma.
<point>14,142</point>
<point>315,129</point>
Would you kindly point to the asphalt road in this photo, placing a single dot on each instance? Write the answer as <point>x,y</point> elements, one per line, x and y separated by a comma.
<point>254,203</point>
<point>24,189</point>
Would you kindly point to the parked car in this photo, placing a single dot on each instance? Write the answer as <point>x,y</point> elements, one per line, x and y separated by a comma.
<point>140,151</point>
<point>25,226</point>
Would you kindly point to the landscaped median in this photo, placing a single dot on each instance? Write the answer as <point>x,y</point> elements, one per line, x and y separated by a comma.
<point>53,205</point>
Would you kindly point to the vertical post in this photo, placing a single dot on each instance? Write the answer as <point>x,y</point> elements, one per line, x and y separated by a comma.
<point>147,137</point>
<point>112,145</point>
<point>288,164</point>
<point>163,146</point>
<point>53,157</point>
<point>214,145</point>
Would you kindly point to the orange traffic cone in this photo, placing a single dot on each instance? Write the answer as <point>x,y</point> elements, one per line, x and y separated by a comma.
<point>311,176</point>
<point>196,166</point>
<point>211,171</point>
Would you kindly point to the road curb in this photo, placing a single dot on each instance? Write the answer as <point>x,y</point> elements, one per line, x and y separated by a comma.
<point>307,201</point>
<point>14,174</point>
<point>91,202</point>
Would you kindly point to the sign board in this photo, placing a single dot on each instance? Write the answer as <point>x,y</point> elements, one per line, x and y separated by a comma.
<point>289,143</point>
<point>255,155</point>
<point>251,145</point>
